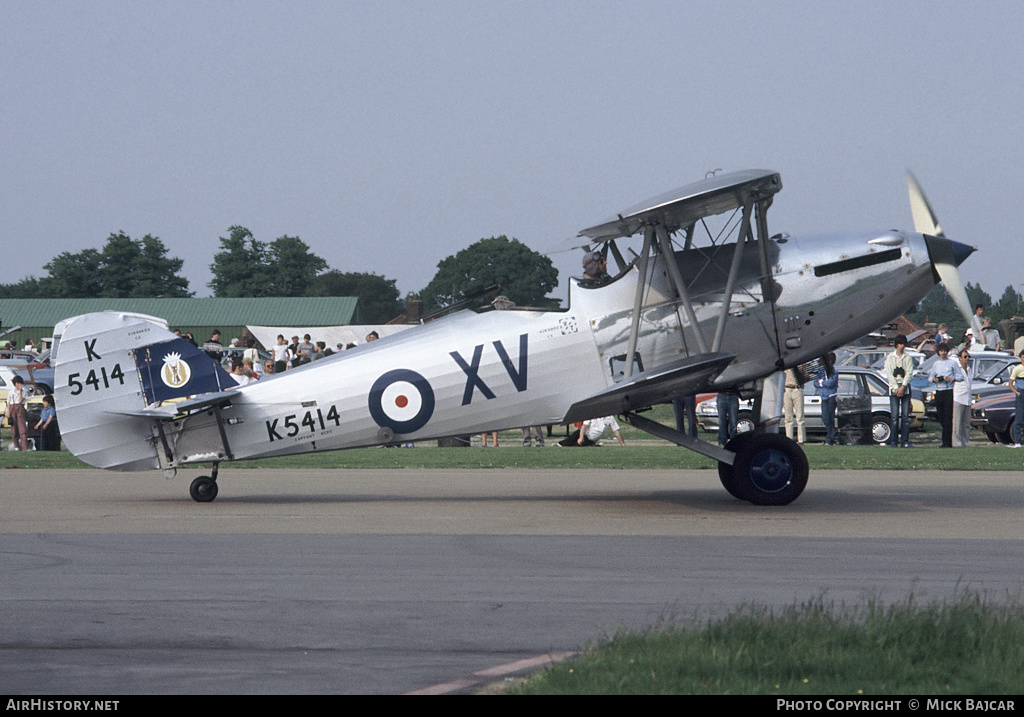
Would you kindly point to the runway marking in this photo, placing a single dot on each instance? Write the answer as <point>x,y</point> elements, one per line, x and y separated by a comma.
<point>509,668</point>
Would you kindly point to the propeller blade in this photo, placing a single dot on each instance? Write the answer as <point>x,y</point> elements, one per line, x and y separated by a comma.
<point>943,253</point>
<point>924,218</point>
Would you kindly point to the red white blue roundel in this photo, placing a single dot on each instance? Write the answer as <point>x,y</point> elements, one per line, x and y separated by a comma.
<point>401,400</point>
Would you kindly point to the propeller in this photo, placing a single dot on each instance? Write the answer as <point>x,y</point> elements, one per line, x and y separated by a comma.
<point>946,255</point>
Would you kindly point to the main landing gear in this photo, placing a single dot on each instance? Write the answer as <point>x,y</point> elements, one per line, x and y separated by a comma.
<point>762,468</point>
<point>204,488</point>
<point>769,469</point>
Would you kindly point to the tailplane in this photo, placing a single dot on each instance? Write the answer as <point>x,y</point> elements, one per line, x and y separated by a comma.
<point>109,367</point>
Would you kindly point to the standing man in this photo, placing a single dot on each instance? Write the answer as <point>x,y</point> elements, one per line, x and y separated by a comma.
<point>827,384</point>
<point>793,403</point>
<point>685,410</point>
<point>899,368</point>
<point>962,402</point>
<point>214,348</point>
<point>306,348</point>
<point>1017,386</point>
<point>728,404</point>
<point>532,433</point>
<point>990,335</point>
<point>280,350</point>
<point>945,374</point>
<point>979,313</point>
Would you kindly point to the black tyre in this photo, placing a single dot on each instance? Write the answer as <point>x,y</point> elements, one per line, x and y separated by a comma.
<point>725,471</point>
<point>881,428</point>
<point>203,489</point>
<point>770,469</point>
<point>1005,437</point>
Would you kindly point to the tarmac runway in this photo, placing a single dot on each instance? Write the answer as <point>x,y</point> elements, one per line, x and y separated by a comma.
<point>397,581</point>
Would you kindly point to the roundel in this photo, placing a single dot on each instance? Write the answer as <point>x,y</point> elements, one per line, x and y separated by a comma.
<point>401,400</point>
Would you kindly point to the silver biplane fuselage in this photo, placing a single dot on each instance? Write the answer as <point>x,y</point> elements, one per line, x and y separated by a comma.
<point>498,369</point>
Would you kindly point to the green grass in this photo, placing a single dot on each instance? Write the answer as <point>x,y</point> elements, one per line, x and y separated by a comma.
<point>641,451</point>
<point>966,646</point>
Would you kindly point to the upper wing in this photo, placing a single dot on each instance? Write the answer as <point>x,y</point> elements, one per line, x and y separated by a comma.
<point>684,206</point>
<point>684,377</point>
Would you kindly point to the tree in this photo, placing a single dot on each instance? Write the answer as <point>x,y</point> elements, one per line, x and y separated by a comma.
<point>526,277</point>
<point>976,295</point>
<point>378,297</point>
<point>1008,306</point>
<point>132,268</point>
<point>125,268</point>
<point>27,288</point>
<point>73,276</point>
<point>246,266</point>
<point>293,267</point>
<point>240,268</point>
<point>938,308</point>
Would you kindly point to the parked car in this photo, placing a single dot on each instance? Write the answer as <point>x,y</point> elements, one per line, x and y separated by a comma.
<point>995,415</point>
<point>991,372</point>
<point>853,381</point>
<point>872,356</point>
<point>34,372</point>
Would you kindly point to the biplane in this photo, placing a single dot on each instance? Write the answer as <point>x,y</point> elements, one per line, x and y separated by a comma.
<point>682,314</point>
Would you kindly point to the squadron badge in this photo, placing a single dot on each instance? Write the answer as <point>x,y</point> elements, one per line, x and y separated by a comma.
<point>175,372</point>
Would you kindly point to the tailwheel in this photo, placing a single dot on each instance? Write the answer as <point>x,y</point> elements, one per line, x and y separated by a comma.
<point>769,469</point>
<point>203,489</point>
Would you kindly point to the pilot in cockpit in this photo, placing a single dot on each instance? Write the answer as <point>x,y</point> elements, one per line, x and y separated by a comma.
<point>595,270</point>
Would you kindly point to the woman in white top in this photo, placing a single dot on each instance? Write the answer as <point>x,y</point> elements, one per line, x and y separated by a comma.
<point>16,414</point>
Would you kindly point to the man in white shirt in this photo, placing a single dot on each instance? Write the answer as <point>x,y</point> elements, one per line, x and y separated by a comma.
<point>944,375</point>
<point>899,368</point>
<point>280,350</point>
<point>591,432</point>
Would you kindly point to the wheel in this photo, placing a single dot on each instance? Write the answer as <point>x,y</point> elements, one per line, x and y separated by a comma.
<point>881,428</point>
<point>1004,437</point>
<point>725,472</point>
<point>203,489</point>
<point>991,436</point>
<point>770,469</point>
<point>745,422</point>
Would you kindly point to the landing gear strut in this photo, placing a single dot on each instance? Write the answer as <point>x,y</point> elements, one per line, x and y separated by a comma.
<point>763,468</point>
<point>204,488</point>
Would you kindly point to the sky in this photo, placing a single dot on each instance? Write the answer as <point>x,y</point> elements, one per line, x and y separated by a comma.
<point>389,135</point>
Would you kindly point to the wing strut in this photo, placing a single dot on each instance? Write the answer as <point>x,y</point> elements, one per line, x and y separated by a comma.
<point>768,285</point>
<point>734,270</point>
<point>680,286</point>
<point>638,299</point>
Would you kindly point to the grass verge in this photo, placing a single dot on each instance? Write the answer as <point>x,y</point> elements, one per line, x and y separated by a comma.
<point>661,455</point>
<point>966,646</point>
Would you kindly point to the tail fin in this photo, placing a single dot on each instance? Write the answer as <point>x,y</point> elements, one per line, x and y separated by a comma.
<point>109,366</point>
